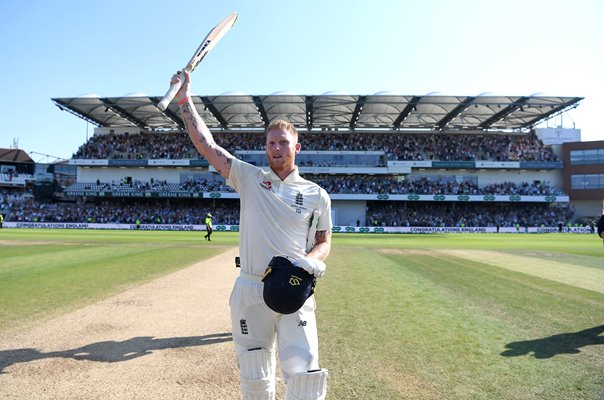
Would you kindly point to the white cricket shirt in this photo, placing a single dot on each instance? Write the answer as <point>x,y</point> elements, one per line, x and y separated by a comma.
<point>275,215</point>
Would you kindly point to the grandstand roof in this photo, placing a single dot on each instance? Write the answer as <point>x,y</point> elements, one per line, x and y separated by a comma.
<point>15,156</point>
<point>330,110</point>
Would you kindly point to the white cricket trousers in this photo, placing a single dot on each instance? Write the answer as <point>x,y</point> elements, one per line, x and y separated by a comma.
<point>255,326</point>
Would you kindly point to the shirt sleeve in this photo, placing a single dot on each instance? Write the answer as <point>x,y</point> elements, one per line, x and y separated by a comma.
<point>325,223</point>
<point>235,174</point>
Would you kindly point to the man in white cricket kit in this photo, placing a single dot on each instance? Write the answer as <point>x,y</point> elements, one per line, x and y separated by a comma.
<point>279,210</point>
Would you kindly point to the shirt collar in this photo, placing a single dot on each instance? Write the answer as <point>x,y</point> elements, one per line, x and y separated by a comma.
<point>294,175</point>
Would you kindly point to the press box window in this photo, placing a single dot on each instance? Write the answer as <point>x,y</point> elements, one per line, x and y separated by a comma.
<point>585,182</point>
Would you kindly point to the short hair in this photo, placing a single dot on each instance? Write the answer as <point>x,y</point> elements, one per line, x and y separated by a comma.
<point>281,124</point>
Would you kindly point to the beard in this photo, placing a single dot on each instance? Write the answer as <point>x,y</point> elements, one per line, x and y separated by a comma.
<point>282,164</point>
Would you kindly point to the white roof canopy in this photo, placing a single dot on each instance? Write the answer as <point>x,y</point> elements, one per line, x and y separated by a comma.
<point>380,111</point>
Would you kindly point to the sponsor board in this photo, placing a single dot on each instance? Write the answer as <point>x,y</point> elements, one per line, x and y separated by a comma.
<point>335,229</point>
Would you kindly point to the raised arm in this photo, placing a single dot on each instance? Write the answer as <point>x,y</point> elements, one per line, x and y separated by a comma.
<point>198,131</point>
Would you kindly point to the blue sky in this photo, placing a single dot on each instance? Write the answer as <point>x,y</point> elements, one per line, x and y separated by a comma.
<point>66,48</point>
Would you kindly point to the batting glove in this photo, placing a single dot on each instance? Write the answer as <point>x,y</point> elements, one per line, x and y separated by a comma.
<point>311,265</point>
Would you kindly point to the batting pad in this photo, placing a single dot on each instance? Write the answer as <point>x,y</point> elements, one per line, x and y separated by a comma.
<point>307,386</point>
<point>257,374</point>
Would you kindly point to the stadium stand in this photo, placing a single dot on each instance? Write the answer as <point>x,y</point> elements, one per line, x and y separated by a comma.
<point>385,160</point>
<point>467,215</point>
<point>443,147</point>
<point>124,211</point>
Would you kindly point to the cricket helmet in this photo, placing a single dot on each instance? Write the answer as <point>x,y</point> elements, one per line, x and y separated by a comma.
<point>286,287</point>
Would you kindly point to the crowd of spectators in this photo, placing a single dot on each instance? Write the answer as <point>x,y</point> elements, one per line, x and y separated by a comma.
<point>22,207</point>
<point>467,214</point>
<point>348,184</point>
<point>176,145</point>
<point>126,211</point>
<point>197,185</point>
<point>11,198</point>
<point>425,185</point>
<point>419,214</point>
<point>396,145</point>
<point>443,147</point>
<point>200,185</point>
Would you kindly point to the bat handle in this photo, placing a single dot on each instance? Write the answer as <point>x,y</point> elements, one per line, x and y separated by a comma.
<point>163,104</point>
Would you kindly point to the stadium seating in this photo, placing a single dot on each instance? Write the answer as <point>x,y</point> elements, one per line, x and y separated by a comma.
<point>121,207</point>
<point>445,147</point>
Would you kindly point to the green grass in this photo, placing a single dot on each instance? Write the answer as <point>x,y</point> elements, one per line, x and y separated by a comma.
<point>44,273</point>
<point>401,318</point>
<point>443,316</point>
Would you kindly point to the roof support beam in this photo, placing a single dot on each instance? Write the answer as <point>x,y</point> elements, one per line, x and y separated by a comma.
<point>333,111</point>
<point>411,106</point>
<point>553,112</point>
<point>123,113</point>
<point>261,109</point>
<point>310,119</point>
<point>210,106</point>
<point>516,105</point>
<point>169,113</point>
<point>86,117</point>
<point>461,107</point>
<point>357,111</point>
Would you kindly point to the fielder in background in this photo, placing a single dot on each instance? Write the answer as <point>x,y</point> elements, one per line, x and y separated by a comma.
<point>209,230</point>
<point>283,215</point>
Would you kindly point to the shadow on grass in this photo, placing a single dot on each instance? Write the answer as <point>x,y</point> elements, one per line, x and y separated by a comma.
<point>548,347</point>
<point>112,351</point>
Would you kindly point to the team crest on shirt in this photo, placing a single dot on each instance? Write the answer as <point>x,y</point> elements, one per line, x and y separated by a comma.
<point>299,203</point>
<point>268,185</point>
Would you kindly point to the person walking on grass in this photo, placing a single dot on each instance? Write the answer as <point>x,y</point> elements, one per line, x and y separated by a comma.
<point>283,217</point>
<point>209,229</point>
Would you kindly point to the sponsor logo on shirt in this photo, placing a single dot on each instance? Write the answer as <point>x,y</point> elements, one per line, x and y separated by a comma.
<point>268,185</point>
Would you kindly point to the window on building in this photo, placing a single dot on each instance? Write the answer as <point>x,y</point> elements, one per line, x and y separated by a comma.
<point>589,181</point>
<point>587,157</point>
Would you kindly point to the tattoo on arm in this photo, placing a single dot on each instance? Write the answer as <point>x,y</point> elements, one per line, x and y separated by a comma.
<point>322,245</point>
<point>220,153</point>
<point>202,138</point>
<point>192,121</point>
<point>188,115</point>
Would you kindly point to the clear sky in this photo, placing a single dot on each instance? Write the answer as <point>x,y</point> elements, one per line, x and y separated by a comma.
<point>66,48</point>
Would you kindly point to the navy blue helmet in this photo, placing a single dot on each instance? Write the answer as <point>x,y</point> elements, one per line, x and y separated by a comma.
<point>286,287</point>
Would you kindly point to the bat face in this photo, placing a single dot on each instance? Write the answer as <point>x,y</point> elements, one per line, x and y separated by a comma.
<point>201,53</point>
<point>211,39</point>
<point>208,43</point>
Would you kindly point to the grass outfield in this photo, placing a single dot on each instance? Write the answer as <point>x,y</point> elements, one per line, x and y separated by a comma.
<point>47,272</point>
<point>441,316</point>
<point>444,317</point>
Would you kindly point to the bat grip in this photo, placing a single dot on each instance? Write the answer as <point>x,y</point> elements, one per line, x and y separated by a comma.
<point>169,96</point>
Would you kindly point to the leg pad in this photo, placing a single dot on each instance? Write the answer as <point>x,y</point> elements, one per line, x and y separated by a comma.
<point>257,375</point>
<point>307,386</point>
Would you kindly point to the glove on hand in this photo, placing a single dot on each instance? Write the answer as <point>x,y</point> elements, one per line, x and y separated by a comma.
<point>311,265</point>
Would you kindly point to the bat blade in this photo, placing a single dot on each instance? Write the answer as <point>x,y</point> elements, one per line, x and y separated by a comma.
<point>204,48</point>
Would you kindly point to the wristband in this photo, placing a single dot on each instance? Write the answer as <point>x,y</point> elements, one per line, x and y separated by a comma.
<point>183,101</point>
